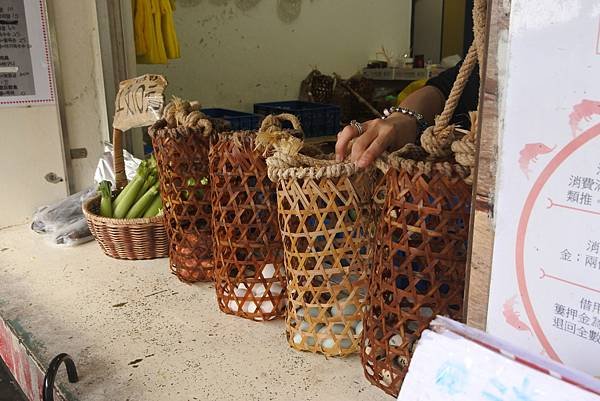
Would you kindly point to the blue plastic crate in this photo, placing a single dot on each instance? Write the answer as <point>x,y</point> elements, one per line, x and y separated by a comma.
<point>238,120</point>
<point>317,119</point>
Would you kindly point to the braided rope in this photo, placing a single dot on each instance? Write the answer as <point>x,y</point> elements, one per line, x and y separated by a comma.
<point>440,141</point>
<point>273,122</point>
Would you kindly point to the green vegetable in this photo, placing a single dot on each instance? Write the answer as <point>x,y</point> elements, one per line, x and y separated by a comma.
<point>143,203</point>
<point>204,181</point>
<point>122,208</point>
<point>106,198</point>
<point>151,180</point>
<point>123,194</point>
<point>154,207</point>
<point>152,165</point>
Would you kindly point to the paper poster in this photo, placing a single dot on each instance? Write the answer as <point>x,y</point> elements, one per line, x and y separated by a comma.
<point>545,287</point>
<point>449,365</point>
<point>26,76</point>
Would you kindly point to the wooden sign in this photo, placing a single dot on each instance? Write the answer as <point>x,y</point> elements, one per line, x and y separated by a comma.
<point>139,102</point>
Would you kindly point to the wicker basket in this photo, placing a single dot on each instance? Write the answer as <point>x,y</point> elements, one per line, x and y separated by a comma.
<point>324,216</point>
<point>182,158</point>
<point>249,274</point>
<point>421,246</point>
<point>133,239</point>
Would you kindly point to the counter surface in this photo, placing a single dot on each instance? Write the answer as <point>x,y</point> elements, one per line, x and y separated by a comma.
<point>138,333</point>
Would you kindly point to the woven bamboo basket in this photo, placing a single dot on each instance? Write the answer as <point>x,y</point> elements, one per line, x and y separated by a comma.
<point>181,149</point>
<point>421,244</point>
<point>133,239</point>
<point>249,273</point>
<point>324,217</point>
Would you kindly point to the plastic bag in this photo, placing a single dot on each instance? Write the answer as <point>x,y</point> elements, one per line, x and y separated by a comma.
<point>53,218</point>
<point>105,169</point>
<point>63,222</point>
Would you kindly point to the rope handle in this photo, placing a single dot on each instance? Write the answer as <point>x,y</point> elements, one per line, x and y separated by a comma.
<point>274,122</point>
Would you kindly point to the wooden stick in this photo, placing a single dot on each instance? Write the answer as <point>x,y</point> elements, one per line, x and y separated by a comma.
<point>118,162</point>
<point>360,98</point>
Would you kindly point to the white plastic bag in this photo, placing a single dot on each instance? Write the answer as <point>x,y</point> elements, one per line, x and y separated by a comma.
<point>105,170</point>
<point>63,222</point>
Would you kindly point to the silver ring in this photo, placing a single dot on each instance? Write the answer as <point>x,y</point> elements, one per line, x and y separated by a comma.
<point>359,128</point>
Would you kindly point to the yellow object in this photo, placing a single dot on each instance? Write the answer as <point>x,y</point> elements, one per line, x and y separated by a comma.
<point>154,30</point>
<point>168,29</point>
<point>412,87</point>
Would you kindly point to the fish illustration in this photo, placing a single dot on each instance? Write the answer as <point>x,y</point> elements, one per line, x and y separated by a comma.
<point>583,112</point>
<point>511,316</point>
<point>530,153</point>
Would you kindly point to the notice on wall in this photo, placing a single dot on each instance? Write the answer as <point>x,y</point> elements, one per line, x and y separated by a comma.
<point>26,76</point>
<point>545,287</point>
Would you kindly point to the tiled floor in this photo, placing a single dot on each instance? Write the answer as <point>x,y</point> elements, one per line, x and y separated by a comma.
<point>9,390</point>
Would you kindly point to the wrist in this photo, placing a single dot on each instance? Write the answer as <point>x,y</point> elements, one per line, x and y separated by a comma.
<point>405,126</point>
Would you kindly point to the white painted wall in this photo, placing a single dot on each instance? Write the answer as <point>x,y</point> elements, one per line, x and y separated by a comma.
<point>78,41</point>
<point>234,58</point>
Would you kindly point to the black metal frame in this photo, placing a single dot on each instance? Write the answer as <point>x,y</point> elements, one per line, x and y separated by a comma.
<point>50,377</point>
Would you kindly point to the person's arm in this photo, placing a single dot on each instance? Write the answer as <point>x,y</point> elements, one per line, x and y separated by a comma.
<point>392,133</point>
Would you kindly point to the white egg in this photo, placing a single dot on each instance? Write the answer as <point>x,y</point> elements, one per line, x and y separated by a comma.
<point>276,289</point>
<point>346,343</point>
<point>249,307</point>
<point>319,327</point>
<point>310,341</point>
<point>338,328</point>
<point>268,271</point>
<point>232,305</point>
<point>368,350</point>
<point>328,343</point>
<point>412,326</point>
<point>342,295</point>
<point>349,310</point>
<point>386,377</point>
<point>240,291</point>
<point>304,325</point>
<point>426,312</point>
<point>358,328</point>
<point>297,338</point>
<point>401,362</point>
<point>314,311</point>
<point>266,307</point>
<point>258,290</point>
<point>300,312</point>
<point>396,340</point>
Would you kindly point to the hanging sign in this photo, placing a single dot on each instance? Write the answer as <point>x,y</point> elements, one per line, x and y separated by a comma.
<point>139,102</point>
<point>26,76</point>
<point>545,287</point>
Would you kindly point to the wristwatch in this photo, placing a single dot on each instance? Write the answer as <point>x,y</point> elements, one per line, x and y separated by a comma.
<point>421,122</point>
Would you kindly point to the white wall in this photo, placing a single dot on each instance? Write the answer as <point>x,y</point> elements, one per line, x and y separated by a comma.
<point>78,42</point>
<point>234,58</point>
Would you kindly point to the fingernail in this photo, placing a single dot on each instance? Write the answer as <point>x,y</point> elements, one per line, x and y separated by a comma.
<point>338,158</point>
<point>361,163</point>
